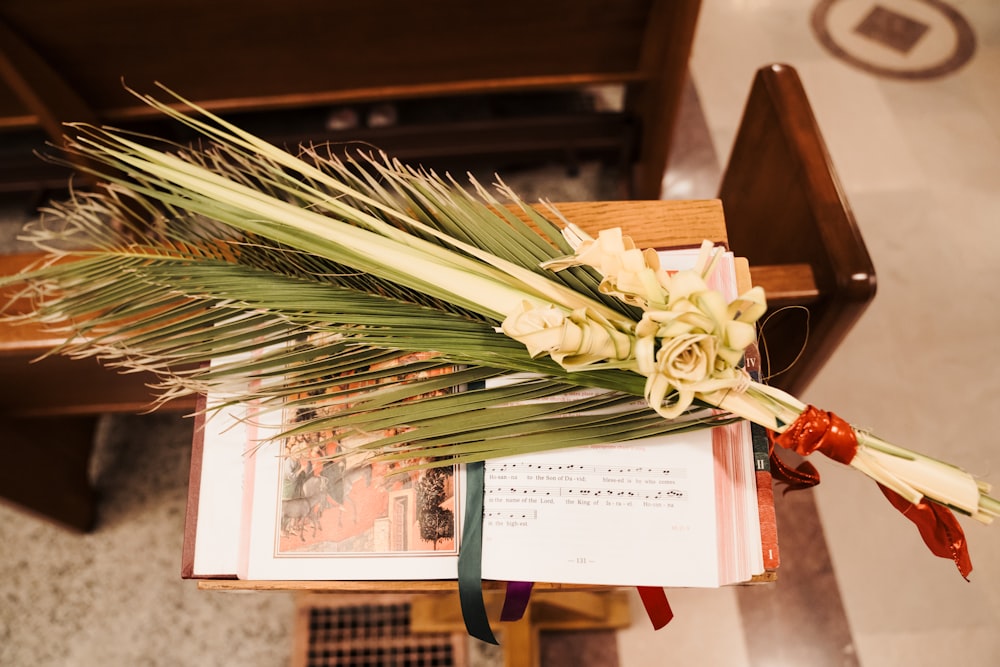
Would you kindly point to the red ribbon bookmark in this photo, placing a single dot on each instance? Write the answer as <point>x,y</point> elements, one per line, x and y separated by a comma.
<point>654,599</point>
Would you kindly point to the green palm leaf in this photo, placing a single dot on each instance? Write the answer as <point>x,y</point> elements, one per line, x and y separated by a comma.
<point>253,275</point>
<point>354,294</point>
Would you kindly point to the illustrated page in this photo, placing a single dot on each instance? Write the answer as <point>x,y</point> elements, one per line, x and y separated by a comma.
<point>321,510</point>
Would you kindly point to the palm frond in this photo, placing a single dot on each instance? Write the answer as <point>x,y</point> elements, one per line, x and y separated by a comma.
<point>350,294</point>
<point>211,288</point>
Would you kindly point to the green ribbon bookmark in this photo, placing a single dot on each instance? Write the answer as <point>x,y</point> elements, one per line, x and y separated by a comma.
<point>470,557</point>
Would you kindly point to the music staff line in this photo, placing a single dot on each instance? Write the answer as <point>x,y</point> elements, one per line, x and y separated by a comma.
<point>578,492</point>
<point>573,468</point>
<point>511,514</point>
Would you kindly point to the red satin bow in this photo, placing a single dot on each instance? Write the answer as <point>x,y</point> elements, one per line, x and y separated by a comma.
<point>825,432</point>
<point>816,430</point>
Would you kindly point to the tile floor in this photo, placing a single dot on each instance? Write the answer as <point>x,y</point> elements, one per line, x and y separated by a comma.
<point>920,161</point>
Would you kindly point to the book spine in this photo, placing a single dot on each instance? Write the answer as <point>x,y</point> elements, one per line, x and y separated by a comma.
<point>762,471</point>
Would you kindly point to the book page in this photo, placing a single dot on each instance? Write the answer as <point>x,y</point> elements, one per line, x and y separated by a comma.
<point>637,513</point>
<point>317,509</point>
<point>220,495</point>
<point>214,520</point>
<point>740,554</point>
<point>677,510</point>
<point>370,528</point>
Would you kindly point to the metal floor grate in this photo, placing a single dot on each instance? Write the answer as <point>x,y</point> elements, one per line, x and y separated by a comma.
<point>373,631</point>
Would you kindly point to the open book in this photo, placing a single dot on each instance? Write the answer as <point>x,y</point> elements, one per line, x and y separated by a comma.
<point>678,510</point>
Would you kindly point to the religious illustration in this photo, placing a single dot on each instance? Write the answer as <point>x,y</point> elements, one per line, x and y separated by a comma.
<point>334,500</point>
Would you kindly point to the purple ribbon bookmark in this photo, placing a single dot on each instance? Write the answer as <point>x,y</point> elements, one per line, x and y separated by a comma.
<point>516,600</point>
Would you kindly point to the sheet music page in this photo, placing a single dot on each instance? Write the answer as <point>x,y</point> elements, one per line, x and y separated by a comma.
<point>637,513</point>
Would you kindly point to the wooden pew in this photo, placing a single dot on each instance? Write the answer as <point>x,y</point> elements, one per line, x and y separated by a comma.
<point>251,58</point>
<point>787,213</point>
<point>48,415</point>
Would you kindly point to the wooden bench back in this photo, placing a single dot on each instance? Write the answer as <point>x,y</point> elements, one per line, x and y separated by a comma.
<point>787,213</point>
<point>230,54</point>
<point>65,60</point>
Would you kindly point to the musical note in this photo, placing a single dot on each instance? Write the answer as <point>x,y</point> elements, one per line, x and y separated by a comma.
<point>523,491</point>
<point>513,468</point>
<point>512,514</point>
<point>535,467</point>
<point>582,492</point>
